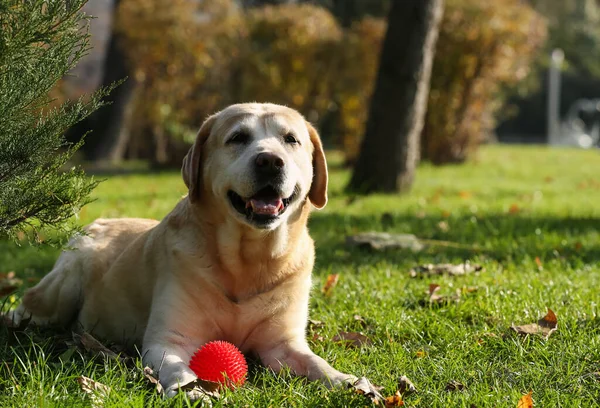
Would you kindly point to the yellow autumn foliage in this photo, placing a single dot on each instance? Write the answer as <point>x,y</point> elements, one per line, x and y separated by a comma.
<point>290,58</point>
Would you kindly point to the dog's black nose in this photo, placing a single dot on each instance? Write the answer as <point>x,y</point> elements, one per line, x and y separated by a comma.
<point>268,164</point>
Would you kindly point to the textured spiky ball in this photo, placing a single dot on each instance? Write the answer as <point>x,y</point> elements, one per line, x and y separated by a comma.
<point>220,361</point>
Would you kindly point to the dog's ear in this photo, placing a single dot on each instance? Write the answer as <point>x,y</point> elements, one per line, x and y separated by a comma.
<point>318,188</point>
<point>191,168</point>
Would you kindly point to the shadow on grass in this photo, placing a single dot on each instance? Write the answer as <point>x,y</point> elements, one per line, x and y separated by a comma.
<point>501,237</point>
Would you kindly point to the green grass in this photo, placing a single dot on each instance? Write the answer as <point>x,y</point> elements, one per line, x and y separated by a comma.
<point>505,209</point>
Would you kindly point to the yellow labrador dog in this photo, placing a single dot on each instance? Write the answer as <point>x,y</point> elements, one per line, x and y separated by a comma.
<point>232,261</point>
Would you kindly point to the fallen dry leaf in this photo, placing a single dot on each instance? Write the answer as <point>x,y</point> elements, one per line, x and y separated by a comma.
<point>539,263</point>
<point>210,388</point>
<point>447,269</point>
<point>315,324</point>
<point>526,401</point>
<point>91,344</point>
<point>360,320</point>
<point>394,401</point>
<point>545,326</point>
<point>433,296</point>
<point>379,241</point>
<point>153,379</point>
<point>97,391</point>
<point>455,386</point>
<point>364,387</point>
<point>331,282</point>
<point>514,209</point>
<point>438,299</point>
<point>481,341</point>
<point>405,386</point>
<point>352,339</point>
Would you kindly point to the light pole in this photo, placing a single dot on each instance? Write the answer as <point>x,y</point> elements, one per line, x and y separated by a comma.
<point>553,113</point>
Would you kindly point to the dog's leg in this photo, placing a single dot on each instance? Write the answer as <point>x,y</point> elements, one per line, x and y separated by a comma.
<point>302,361</point>
<point>171,361</point>
<point>56,298</point>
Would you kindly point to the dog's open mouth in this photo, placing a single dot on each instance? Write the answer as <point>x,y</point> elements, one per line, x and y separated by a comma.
<point>266,205</point>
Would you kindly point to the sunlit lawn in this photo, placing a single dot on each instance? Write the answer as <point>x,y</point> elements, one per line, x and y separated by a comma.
<point>530,216</point>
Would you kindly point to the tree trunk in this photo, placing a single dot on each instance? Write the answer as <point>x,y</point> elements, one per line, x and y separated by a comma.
<point>110,124</point>
<point>390,149</point>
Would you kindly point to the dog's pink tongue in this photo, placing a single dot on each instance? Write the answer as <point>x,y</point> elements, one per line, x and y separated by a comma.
<point>266,206</point>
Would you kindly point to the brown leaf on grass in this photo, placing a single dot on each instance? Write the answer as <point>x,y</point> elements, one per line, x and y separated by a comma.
<point>98,392</point>
<point>539,263</point>
<point>331,282</point>
<point>210,388</point>
<point>380,241</point>
<point>578,246</point>
<point>482,341</point>
<point>445,269</point>
<point>526,401</point>
<point>8,283</point>
<point>545,326</point>
<point>435,298</point>
<point>360,320</point>
<point>352,339</point>
<point>91,344</point>
<point>153,380</point>
<point>394,401</point>
<point>455,386</point>
<point>315,324</point>
<point>364,387</point>
<point>405,386</point>
<point>514,209</point>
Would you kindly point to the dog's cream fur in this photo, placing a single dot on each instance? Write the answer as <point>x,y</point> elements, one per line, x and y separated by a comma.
<point>205,272</point>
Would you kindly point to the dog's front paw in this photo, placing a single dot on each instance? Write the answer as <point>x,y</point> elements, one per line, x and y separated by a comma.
<point>342,380</point>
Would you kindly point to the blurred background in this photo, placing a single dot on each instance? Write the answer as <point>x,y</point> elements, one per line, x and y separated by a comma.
<point>186,59</point>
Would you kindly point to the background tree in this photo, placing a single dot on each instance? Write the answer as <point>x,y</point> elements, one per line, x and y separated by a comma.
<point>40,42</point>
<point>390,149</point>
<point>111,123</point>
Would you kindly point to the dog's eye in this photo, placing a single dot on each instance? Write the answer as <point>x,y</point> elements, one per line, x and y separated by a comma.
<point>239,138</point>
<point>289,138</point>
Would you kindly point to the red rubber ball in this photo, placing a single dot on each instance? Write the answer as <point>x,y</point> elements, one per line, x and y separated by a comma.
<point>220,361</point>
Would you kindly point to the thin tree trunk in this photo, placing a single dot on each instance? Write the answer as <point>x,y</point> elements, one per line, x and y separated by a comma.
<point>110,135</point>
<point>390,149</point>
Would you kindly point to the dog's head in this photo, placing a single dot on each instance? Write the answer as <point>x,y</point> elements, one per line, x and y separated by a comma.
<point>258,163</point>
